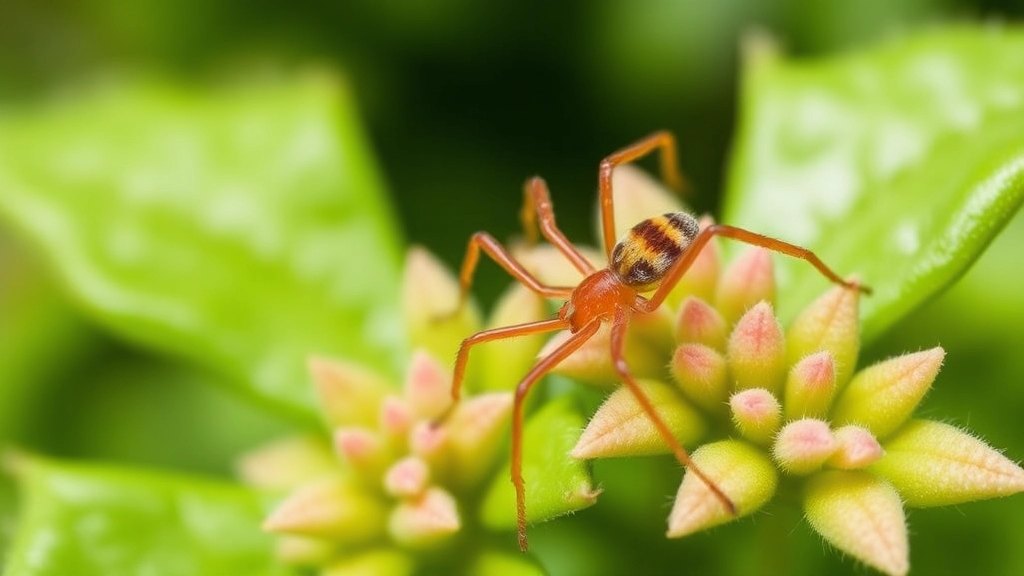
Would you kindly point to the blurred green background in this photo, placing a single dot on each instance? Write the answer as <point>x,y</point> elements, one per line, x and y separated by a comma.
<point>462,101</point>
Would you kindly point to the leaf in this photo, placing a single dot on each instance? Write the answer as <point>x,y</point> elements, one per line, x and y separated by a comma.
<point>96,520</point>
<point>898,164</point>
<point>555,483</point>
<point>242,228</point>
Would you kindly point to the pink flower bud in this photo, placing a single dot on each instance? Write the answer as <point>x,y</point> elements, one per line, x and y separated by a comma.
<point>756,414</point>
<point>757,350</point>
<point>803,446</point>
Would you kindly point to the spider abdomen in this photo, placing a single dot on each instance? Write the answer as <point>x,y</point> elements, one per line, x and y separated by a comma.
<point>643,257</point>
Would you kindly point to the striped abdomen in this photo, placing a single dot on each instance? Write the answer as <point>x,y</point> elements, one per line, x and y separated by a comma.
<point>649,249</point>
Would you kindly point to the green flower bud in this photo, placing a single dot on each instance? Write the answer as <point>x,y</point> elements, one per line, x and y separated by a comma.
<point>702,375</point>
<point>935,464</point>
<point>829,323</point>
<point>882,397</point>
<point>621,427</point>
<point>809,386</point>
<point>741,471</point>
<point>699,323</point>
<point>334,508</point>
<point>349,393</point>
<point>861,515</point>
<point>426,521</point>
<point>287,463</point>
<point>435,319</point>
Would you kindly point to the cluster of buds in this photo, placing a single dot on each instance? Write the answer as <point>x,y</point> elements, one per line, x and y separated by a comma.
<point>391,491</point>
<point>787,407</point>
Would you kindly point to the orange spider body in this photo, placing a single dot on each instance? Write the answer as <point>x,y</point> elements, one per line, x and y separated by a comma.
<point>653,255</point>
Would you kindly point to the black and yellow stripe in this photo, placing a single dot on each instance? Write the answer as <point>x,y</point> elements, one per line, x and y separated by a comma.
<point>643,257</point>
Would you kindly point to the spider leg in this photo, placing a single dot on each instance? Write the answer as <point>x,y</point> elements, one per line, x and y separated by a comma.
<point>484,241</point>
<point>618,340</point>
<point>541,368</point>
<point>462,358</point>
<point>538,212</point>
<point>684,262</point>
<point>669,172</point>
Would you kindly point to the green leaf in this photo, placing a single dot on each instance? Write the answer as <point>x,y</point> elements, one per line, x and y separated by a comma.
<point>242,228</point>
<point>95,520</point>
<point>555,483</point>
<point>898,164</point>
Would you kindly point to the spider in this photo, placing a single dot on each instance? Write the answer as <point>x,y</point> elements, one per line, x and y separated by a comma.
<point>653,255</point>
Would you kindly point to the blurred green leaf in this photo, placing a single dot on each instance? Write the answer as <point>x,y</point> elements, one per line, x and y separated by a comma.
<point>243,228</point>
<point>95,520</point>
<point>556,484</point>
<point>898,164</point>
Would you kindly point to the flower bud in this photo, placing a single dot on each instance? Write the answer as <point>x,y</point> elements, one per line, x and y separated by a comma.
<point>757,350</point>
<point>428,386</point>
<point>702,375</point>
<point>407,478</point>
<point>287,463</point>
<point>425,521</point>
<point>699,323</point>
<point>829,323</point>
<point>476,432</point>
<point>861,515</point>
<point>881,397</point>
<point>935,464</point>
<point>739,470</point>
<point>349,394</point>
<point>809,386</point>
<point>747,281</point>
<point>434,318</point>
<point>856,448</point>
<point>555,483</point>
<point>396,418</point>
<point>363,450</point>
<point>756,414</point>
<point>803,446</point>
<point>621,427</point>
<point>333,508</point>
